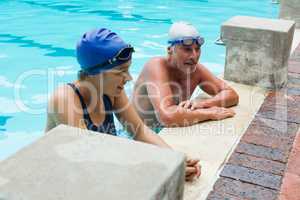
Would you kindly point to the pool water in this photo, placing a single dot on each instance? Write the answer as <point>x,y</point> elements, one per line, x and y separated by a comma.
<point>37,40</point>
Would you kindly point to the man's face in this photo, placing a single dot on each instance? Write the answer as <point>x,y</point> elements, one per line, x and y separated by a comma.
<point>186,57</point>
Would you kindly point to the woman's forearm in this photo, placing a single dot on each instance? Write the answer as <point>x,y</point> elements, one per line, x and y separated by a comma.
<point>145,134</point>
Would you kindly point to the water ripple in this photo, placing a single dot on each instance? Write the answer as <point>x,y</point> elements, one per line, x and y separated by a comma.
<point>22,42</point>
<point>110,14</point>
<point>3,119</point>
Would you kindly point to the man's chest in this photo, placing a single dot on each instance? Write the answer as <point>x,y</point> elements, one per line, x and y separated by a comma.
<point>183,90</point>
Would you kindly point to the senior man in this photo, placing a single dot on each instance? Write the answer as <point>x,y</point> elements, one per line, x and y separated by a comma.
<point>163,90</point>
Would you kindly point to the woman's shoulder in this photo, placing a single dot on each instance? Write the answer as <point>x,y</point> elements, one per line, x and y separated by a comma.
<point>61,95</point>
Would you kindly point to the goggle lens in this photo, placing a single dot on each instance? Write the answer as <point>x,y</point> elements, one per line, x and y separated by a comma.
<point>125,54</point>
<point>188,41</point>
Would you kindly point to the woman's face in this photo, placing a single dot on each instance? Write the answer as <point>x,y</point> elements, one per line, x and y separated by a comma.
<point>115,79</point>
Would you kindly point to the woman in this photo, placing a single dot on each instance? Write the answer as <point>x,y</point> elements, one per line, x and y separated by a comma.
<point>90,101</point>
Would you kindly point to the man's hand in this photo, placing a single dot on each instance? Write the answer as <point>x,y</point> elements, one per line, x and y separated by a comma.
<point>199,105</point>
<point>193,105</point>
<point>218,113</point>
<point>192,169</point>
<point>215,113</point>
<point>186,104</point>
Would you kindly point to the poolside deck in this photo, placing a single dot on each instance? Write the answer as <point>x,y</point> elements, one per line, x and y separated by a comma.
<point>213,141</point>
<point>246,157</point>
<point>265,164</point>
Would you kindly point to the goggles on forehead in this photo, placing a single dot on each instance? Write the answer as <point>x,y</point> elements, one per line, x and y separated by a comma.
<point>187,41</point>
<point>123,55</point>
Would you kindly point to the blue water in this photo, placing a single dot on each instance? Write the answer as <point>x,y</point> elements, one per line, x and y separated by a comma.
<point>37,40</point>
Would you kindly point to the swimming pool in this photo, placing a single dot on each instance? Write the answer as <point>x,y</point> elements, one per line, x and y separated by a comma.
<point>37,40</point>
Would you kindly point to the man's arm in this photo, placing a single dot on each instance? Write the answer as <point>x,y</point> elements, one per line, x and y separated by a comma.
<point>161,97</point>
<point>223,94</point>
<point>175,115</point>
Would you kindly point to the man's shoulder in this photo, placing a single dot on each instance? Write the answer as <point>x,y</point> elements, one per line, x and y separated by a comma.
<point>204,73</point>
<point>158,61</point>
<point>155,68</point>
<point>156,64</point>
<point>201,68</point>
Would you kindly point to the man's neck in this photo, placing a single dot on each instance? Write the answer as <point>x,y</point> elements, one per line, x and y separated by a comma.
<point>176,73</point>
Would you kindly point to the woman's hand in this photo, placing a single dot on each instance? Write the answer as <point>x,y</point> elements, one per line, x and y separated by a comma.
<point>192,169</point>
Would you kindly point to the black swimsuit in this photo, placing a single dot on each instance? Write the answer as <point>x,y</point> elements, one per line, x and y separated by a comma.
<point>108,126</point>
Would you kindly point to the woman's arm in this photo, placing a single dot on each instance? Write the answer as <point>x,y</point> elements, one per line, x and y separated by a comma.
<point>62,109</point>
<point>133,123</point>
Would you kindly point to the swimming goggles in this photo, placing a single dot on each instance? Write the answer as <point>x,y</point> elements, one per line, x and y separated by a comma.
<point>187,41</point>
<point>123,55</point>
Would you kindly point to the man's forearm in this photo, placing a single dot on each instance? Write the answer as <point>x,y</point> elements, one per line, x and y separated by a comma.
<point>178,116</point>
<point>225,98</point>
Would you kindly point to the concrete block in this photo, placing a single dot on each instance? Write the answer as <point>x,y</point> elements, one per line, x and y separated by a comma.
<point>243,190</point>
<point>218,196</point>
<point>253,162</point>
<point>279,112</point>
<point>257,50</point>
<point>289,9</point>
<point>274,127</point>
<point>75,164</point>
<point>252,176</point>
<point>267,139</point>
<point>262,152</point>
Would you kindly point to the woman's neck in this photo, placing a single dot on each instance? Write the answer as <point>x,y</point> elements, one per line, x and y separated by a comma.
<point>91,92</point>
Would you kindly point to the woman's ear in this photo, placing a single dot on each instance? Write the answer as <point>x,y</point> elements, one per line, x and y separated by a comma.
<point>169,50</point>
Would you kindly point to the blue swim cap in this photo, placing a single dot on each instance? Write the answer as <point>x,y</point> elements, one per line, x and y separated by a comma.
<point>97,47</point>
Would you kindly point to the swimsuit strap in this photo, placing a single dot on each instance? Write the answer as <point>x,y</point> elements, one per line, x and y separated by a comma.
<point>108,124</point>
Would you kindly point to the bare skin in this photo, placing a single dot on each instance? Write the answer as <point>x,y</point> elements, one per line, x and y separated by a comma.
<point>64,108</point>
<point>163,89</point>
